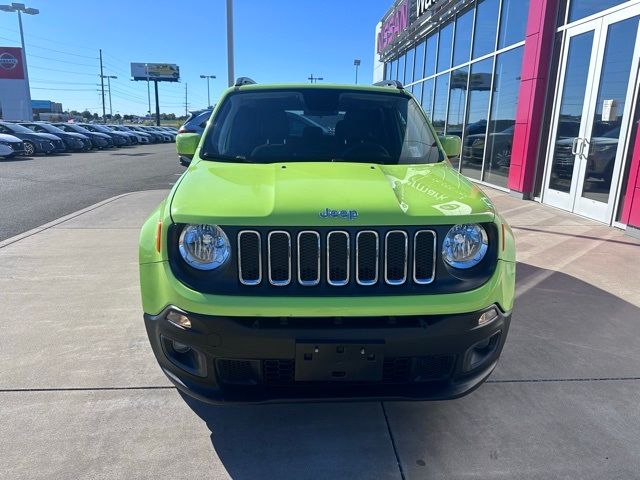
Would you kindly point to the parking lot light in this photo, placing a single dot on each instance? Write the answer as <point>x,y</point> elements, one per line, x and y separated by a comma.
<point>21,8</point>
<point>208,96</point>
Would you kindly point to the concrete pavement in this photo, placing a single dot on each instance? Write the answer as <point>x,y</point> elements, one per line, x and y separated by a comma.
<point>81,395</point>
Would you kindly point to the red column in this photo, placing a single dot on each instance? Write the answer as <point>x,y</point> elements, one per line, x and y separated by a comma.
<point>631,200</point>
<point>541,26</point>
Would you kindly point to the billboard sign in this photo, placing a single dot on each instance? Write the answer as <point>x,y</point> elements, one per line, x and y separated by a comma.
<point>11,63</point>
<point>161,72</point>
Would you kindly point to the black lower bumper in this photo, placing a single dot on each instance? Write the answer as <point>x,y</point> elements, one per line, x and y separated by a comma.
<point>266,360</point>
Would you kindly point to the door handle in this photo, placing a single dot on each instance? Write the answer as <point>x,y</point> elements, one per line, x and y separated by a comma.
<point>585,143</point>
<point>574,146</point>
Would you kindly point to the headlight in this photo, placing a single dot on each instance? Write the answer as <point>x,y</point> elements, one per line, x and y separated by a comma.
<point>205,247</point>
<point>465,246</point>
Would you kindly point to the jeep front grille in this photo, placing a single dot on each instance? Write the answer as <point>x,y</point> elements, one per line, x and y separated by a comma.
<point>336,258</point>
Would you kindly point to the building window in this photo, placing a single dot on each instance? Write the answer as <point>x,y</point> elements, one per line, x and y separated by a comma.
<point>408,72</point>
<point>583,8</point>
<point>440,103</point>
<point>418,69</point>
<point>503,117</point>
<point>430,55</point>
<point>513,24</point>
<point>462,43</point>
<point>457,105</point>
<point>475,132</point>
<point>427,97</point>
<point>444,47</point>
<point>400,74</point>
<point>484,36</point>
<point>394,70</point>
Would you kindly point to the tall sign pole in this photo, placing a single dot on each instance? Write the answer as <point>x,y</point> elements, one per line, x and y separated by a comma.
<point>157,104</point>
<point>24,66</point>
<point>104,108</point>
<point>231,74</point>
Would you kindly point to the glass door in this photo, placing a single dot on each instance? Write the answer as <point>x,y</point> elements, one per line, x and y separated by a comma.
<point>592,116</point>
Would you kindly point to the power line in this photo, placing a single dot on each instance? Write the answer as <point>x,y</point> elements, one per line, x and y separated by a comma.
<point>63,89</point>
<point>63,71</point>
<point>55,41</point>
<point>61,61</point>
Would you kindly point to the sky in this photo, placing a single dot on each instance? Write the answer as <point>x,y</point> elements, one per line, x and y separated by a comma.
<point>275,41</point>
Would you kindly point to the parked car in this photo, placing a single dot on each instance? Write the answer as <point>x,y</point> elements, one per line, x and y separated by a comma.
<point>34,143</point>
<point>142,138</point>
<point>73,141</point>
<point>304,265</point>
<point>119,138</point>
<point>189,134</point>
<point>133,137</point>
<point>155,137</point>
<point>166,136</point>
<point>98,139</point>
<point>10,146</point>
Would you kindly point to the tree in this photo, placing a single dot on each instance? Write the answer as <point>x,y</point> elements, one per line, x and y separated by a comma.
<point>117,117</point>
<point>96,116</point>
<point>86,114</point>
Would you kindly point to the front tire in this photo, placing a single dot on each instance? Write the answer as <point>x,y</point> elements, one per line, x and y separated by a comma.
<point>29,148</point>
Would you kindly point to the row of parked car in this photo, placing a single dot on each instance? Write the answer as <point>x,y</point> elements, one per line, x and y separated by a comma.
<point>43,138</point>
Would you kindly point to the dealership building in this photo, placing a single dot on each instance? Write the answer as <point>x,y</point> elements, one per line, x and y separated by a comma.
<point>544,94</point>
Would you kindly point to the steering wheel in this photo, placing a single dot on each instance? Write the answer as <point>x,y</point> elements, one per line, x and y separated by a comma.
<point>365,150</point>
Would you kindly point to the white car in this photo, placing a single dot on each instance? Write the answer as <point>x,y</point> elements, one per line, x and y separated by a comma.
<point>10,146</point>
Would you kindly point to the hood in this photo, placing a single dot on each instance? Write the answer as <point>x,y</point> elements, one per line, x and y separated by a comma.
<point>101,135</point>
<point>9,138</point>
<point>314,194</point>
<point>76,135</point>
<point>48,136</point>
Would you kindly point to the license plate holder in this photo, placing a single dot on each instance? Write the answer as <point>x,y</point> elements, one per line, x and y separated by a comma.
<point>339,361</point>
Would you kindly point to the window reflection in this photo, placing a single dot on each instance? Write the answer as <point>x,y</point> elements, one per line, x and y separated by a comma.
<point>457,104</point>
<point>462,44</point>
<point>441,97</point>
<point>418,70</point>
<point>484,37</point>
<point>444,47</point>
<point>475,132</point>
<point>400,75</point>
<point>612,94</point>
<point>427,97</point>
<point>430,55</point>
<point>503,116</point>
<point>513,24</point>
<point>408,73</point>
<point>583,8</point>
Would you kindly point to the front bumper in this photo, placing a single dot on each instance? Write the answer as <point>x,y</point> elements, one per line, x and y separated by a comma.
<point>262,360</point>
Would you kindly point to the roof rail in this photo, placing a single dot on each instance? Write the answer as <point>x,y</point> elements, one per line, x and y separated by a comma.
<point>390,83</point>
<point>244,81</point>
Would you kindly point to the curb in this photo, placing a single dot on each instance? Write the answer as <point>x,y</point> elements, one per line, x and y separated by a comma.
<point>46,226</point>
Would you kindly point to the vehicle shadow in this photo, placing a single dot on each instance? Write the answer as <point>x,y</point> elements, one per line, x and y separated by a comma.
<point>563,330</point>
<point>15,159</point>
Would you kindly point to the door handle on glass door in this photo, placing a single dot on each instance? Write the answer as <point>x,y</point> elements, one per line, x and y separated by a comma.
<point>574,146</point>
<point>585,143</point>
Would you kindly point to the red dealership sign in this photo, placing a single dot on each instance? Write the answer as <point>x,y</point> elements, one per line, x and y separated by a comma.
<point>393,26</point>
<point>11,63</point>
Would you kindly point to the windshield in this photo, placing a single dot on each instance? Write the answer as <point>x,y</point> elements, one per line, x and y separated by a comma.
<point>17,128</point>
<point>49,128</point>
<point>314,125</point>
<point>102,128</point>
<point>73,128</point>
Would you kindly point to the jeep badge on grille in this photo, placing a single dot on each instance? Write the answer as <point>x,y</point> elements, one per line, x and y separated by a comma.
<point>348,214</point>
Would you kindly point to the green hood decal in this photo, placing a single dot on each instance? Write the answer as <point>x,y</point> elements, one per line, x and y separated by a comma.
<point>315,194</point>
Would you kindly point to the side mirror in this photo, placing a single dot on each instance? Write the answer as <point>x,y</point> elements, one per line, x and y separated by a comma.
<point>186,145</point>
<point>451,144</point>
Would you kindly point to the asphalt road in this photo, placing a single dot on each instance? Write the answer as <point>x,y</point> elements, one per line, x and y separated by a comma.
<point>37,190</point>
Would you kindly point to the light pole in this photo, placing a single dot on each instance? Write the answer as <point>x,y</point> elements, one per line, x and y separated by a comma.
<point>356,63</point>
<point>21,8</point>
<point>313,79</point>
<point>208,96</point>
<point>230,73</point>
<point>109,77</point>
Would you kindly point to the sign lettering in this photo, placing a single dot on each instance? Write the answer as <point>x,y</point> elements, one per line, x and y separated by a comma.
<point>393,26</point>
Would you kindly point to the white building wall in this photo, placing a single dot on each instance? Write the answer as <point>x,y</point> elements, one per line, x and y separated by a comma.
<point>378,66</point>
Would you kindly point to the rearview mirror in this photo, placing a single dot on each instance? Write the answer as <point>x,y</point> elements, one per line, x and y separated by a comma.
<point>451,144</point>
<point>186,145</point>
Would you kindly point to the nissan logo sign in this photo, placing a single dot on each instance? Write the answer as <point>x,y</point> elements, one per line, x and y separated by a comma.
<point>8,61</point>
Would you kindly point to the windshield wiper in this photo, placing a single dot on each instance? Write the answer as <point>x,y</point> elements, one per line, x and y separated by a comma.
<point>224,158</point>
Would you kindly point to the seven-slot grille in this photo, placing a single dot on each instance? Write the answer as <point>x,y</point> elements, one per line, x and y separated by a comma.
<point>336,258</point>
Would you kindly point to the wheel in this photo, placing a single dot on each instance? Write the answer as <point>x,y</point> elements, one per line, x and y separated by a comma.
<point>29,148</point>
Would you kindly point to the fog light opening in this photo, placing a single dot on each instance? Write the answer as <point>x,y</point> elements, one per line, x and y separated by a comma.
<point>178,319</point>
<point>488,317</point>
<point>180,347</point>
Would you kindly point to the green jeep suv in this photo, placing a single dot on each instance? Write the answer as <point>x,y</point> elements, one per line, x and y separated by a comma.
<point>321,246</point>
